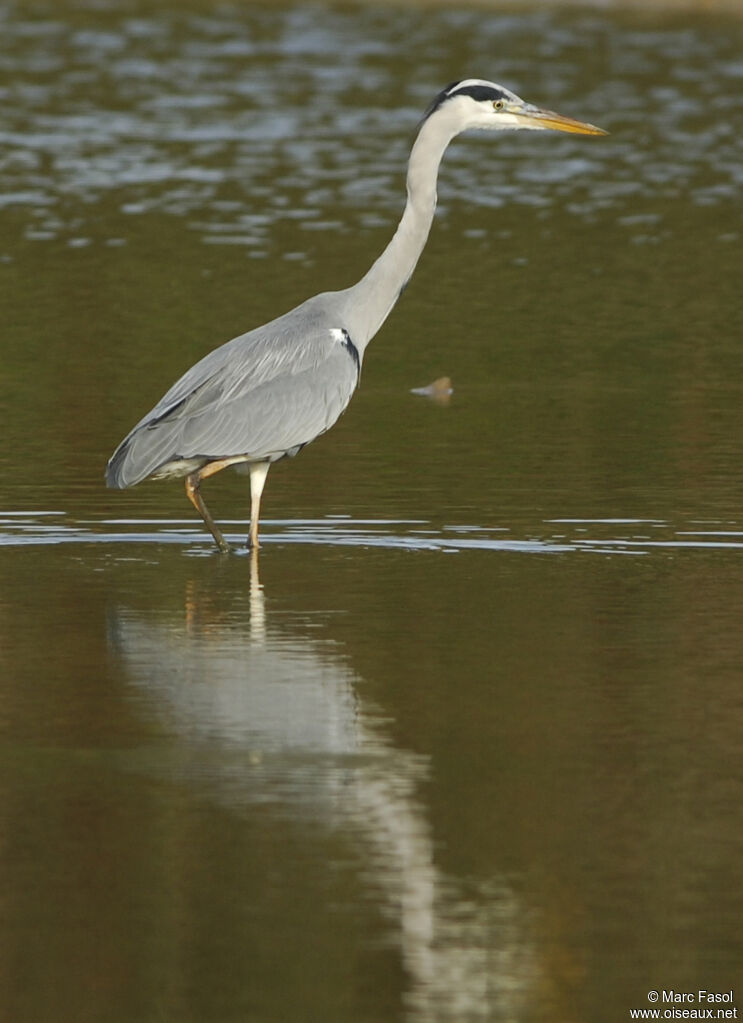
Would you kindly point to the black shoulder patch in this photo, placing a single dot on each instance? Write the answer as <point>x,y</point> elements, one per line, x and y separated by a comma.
<point>352,350</point>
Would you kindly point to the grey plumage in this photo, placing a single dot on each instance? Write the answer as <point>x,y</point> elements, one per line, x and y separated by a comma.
<point>262,395</point>
<point>267,393</point>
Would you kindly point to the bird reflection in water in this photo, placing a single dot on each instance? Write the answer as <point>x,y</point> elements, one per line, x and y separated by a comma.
<point>266,714</point>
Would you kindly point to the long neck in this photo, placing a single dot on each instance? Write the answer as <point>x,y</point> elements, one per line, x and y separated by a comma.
<point>370,301</point>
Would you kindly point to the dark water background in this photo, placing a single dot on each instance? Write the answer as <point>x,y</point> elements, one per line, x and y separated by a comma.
<point>470,747</point>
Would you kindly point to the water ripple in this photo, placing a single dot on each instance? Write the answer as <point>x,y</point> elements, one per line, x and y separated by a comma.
<point>553,536</point>
<point>131,103</point>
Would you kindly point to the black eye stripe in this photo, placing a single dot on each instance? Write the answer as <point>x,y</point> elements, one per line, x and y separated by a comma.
<point>480,92</point>
<point>476,92</point>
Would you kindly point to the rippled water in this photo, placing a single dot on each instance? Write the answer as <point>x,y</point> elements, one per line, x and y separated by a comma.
<point>228,115</point>
<point>599,536</point>
<point>464,743</point>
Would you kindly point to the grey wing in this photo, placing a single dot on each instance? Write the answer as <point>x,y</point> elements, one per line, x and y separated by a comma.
<point>262,396</point>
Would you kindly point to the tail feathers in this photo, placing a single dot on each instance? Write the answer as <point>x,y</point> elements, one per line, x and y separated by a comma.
<point>138,456</point>
<point>118,473</point>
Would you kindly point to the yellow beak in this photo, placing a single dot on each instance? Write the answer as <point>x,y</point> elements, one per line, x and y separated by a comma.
<point>533,117</point>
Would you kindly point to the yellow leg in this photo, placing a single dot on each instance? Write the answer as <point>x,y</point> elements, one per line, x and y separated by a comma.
<point>258,473</point>
<point>193,482</point>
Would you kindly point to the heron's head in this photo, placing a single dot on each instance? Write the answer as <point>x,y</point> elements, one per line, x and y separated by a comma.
<point>475,103</point>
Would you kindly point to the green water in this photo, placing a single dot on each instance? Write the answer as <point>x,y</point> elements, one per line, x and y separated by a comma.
<point>465,744</point>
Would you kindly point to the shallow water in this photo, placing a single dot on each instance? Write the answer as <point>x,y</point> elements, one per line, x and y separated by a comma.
<point>465,744</point>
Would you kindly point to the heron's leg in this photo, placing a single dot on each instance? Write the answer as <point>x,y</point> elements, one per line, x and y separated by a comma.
<point>258,473</point>
<point>193,482</point>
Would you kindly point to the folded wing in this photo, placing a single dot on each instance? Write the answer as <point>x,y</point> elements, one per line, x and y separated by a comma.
<point>261,396</point>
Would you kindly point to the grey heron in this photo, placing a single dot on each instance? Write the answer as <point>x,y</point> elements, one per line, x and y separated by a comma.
<point>269,392</point>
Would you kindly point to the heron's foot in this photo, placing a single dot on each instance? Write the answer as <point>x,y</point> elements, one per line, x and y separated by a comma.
<point>252,541</point>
